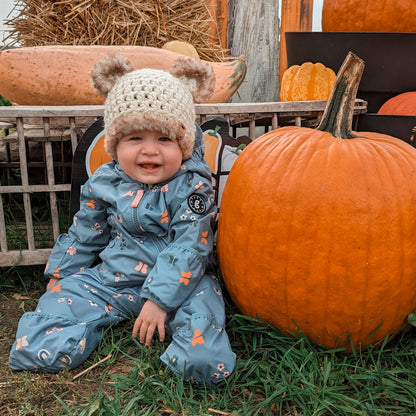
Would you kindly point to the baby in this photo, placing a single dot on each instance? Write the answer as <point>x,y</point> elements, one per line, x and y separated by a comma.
<point>140,243</point>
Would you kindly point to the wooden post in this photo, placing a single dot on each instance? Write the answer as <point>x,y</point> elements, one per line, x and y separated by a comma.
<point>253,31</point>
<point>296,17</point>
<point>219,11</point>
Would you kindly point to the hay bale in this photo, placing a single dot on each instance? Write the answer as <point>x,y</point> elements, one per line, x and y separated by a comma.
<point>115,22</point>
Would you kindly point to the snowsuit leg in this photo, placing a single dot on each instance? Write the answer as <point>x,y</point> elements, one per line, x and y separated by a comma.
<point>69,320</point>
<point>200,348</point>
<point>67,324</point>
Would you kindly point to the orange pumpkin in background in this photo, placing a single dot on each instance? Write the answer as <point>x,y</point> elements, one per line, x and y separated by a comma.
<point>305,82</point>
<point>403,104</point>
<point>369,16</point>
<point>317,227</point>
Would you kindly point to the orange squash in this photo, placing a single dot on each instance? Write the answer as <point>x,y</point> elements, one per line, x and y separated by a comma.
<point>369,16</point>
<point>59,75</point>
<point>305,82</point>
<point>317,227</point>
<point>403,104</point>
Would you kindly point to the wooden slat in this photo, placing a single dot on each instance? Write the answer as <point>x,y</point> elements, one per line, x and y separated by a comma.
<point>18,189</point>
<point>24,257</point>
<point>51,180</point>
<point>3,235</point>
<point>74,137</point>
<point>207,109</point>
<point>38,135</point>
<point>25,182</point>
<point>4,125</point>
<point>275,121</point>
<point>252,129</point>
<point>51,111</point>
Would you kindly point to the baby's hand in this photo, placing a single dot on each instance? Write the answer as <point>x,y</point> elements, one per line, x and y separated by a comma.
<point>152,316</point>
<point>52,282</point>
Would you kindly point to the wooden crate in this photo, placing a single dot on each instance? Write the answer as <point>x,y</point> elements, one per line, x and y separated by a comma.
<point>36,148</point>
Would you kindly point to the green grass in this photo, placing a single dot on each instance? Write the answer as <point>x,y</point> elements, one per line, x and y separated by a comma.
<point>275,375</point>
<point>22,279</point>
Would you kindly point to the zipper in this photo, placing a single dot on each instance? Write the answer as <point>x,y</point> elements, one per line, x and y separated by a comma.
<point>140,194</point>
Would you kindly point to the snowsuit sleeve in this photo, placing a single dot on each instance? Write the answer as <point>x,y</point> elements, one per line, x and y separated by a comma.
<point>180,266</point>
<point>87,236</point>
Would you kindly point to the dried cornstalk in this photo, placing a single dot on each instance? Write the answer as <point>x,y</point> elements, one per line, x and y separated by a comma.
<point>114,22</point>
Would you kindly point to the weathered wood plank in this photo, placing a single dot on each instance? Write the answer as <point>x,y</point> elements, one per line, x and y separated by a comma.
<point>216,108</point>
<point>270,107</point>
<point>51,180</point>
<point>73,129</point>
<point>25,182</point>
<point>18,189</point>
<point>51,111</point>
<point>24,257</point>
<point>253,31</point>
<point>40,136</point>
<point>3,235</point>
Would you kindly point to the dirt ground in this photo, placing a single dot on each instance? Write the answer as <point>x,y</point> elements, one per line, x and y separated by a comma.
<point>24,393</point>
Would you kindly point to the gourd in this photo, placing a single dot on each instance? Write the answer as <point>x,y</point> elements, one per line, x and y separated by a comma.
<point>402,104</point>
<point>308,81</point>
<point>184,48</point>
<point>317,227</point>
<point>369,16</point>
<point>59,75</point>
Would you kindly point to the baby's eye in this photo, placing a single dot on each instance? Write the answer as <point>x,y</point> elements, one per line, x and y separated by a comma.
<point>165,139</point>
<point>135,138</point>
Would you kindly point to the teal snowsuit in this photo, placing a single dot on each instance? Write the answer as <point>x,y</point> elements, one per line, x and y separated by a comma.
<point>153,242</point>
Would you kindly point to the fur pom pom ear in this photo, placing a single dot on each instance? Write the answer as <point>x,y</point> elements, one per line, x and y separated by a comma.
<point>107,70</point>
<point>197,75</point>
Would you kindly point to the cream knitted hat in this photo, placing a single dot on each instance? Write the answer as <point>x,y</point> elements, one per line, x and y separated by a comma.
<point>151,99</point>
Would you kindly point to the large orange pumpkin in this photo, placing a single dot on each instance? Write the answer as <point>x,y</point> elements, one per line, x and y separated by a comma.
<point>369,16</point>
<point>317,227</point>
<point>402,104</point>
<point>305,82</point>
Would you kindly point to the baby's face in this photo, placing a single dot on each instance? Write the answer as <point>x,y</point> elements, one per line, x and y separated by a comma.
<point>148,156</point>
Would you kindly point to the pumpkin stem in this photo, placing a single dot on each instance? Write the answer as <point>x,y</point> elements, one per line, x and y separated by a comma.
<point>339,110</point>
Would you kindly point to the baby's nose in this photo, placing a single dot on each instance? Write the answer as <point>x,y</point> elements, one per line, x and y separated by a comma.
<point>150,147</point>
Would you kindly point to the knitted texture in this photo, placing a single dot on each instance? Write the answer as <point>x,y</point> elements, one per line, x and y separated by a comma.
<point>150,99</point>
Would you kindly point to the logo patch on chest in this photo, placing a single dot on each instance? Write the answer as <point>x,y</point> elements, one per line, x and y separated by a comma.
<point>197,203</point>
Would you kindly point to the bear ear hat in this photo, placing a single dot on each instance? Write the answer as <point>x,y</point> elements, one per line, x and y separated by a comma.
<point>107,70</point>
<point>197,75</point>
